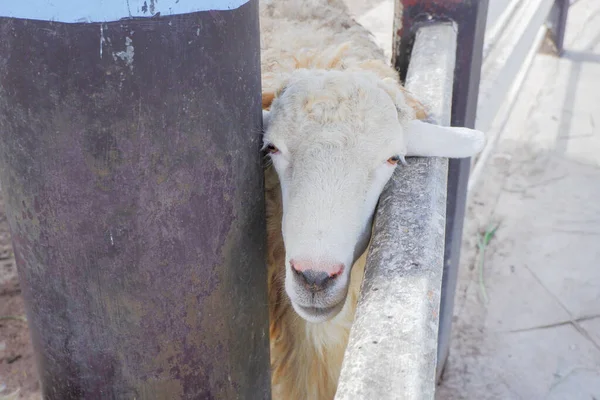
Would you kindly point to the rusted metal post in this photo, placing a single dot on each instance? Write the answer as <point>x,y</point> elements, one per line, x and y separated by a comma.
<point>130,165</point>
<point>470,18</point>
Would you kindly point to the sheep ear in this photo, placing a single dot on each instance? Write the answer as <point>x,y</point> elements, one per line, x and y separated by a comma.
<point>403,99</point>
<point>266,116</point>
<point>267,99</point>
<point>428,140</point>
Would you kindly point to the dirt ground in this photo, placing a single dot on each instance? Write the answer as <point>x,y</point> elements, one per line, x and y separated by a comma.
<point>18,377</point>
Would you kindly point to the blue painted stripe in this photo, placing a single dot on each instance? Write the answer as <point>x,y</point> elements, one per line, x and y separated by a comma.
<point>107,10</point>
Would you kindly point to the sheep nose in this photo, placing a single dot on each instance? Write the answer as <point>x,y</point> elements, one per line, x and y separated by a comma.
<point>316,277</point>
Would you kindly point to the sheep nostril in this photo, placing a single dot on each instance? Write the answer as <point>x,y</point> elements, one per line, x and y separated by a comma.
<point>316,277</point>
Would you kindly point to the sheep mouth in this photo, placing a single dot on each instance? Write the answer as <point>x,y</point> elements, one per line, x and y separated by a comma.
<point>318,314</point>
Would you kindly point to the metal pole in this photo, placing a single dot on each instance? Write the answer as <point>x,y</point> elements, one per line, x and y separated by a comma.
<point>130,164</point>
<point>557,21</point>
<point>470,18</point>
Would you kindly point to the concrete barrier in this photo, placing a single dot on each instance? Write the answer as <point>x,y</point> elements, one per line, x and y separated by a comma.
<point>392,351</point>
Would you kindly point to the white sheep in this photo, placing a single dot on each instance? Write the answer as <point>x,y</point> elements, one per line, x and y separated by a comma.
<point>338,124</point>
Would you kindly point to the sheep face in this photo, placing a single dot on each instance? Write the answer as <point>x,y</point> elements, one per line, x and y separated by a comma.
<point>335,139</point>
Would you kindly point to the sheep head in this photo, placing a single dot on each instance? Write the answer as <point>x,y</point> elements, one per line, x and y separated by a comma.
<point>335,139</point>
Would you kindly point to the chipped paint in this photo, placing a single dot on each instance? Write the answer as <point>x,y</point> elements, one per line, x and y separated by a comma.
<point>127,54</point>
<point>102,39</point>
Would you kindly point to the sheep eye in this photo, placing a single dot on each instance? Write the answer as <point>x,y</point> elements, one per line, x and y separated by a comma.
<point>393,160</point>
<point>272,149</point>
<point>396,159</point>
